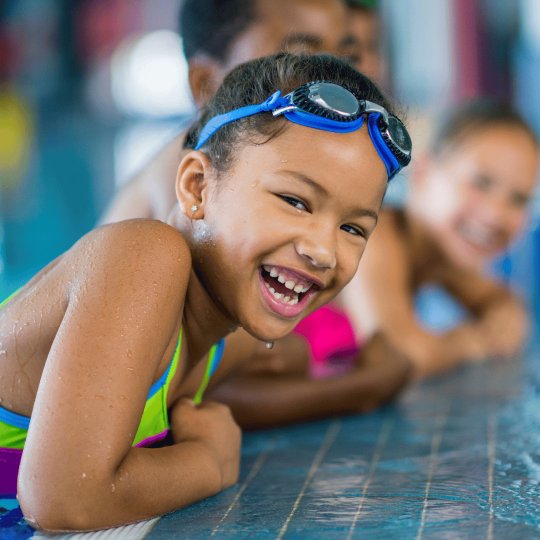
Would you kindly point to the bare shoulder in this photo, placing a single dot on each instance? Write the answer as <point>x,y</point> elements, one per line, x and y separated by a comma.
<point>144,239</point>
<point>134,251</point>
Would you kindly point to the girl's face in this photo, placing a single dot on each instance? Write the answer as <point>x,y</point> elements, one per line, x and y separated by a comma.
<point>287,225</point>
<point>475,197</point>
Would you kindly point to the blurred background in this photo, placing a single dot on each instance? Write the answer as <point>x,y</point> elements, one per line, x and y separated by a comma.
<point>91,89</point>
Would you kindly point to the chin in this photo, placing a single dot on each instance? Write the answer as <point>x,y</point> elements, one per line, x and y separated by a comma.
<point>270,332</point>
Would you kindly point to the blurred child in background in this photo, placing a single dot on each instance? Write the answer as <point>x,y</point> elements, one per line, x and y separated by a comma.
<point>468,200</point>
<point>364,43</point>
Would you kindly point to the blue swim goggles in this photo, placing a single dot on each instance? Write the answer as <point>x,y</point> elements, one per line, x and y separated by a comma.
<point>330,107</point>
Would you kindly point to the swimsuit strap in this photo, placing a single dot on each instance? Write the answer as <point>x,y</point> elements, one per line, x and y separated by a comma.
<point>3,303</point>
<point>214,357</point>
<point>172,369</point>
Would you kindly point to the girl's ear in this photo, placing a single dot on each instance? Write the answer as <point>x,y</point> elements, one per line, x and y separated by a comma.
<point>192,184</point>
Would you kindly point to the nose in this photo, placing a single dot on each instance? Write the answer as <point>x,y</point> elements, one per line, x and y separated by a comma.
<point>318,246</point>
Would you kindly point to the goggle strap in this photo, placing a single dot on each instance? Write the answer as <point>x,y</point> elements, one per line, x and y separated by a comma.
<point>320,122</point>
<point>275,101</point>
<point>389,160</point>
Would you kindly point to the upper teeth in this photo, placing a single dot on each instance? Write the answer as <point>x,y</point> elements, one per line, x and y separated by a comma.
<point>287,281</point>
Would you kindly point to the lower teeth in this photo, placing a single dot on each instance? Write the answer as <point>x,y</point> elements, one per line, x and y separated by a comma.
<point>286,300</point>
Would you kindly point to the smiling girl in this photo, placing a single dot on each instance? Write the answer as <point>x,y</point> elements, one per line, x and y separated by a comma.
<point>468,200</point>
<point>112,345</point>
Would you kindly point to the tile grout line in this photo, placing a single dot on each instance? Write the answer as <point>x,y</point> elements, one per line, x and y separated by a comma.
<point>381,443</point>
<point>492,436</point>
<point>329,438</point>
<point>435,444</point>
<point>252,473</point>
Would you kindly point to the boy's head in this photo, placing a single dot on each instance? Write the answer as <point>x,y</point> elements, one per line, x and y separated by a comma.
<point>220,34</point>
<point>474,187</point>
<point>364,47</point>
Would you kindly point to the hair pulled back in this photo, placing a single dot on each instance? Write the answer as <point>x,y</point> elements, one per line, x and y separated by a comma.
<point>253,82</point>
<point>474,116</point>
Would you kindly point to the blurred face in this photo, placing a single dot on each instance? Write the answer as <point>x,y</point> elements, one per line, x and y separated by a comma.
<point>364,48</point>
<point>475,197</point>
<point>297,26</point>
<point>286,230</point>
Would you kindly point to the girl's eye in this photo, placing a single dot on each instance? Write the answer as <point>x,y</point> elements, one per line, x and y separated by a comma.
<point>482,182</point>
<point>293,201</point>
<point>354,230</point>
<point>519,200</point>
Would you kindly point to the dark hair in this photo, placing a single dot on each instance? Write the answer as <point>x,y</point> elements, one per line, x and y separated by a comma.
<point>211,26</point>
<point>255,81</point>
<point>364,5</point>
<point>475,116</point>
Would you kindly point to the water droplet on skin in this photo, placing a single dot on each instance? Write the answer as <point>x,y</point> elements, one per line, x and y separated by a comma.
<point>83,475</point>
<point>113,488</point>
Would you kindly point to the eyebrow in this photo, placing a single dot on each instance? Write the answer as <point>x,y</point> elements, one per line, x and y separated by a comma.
<point>361,212</point>
<point>301,39</point>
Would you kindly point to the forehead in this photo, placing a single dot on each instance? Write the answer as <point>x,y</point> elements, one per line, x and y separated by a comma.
<point>295,25</point>
<point>364,23</point>
<point>505,147</point>
<point>345,165</point>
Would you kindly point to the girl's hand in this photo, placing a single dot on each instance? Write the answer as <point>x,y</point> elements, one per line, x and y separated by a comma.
<point>212,424</point>
<point>469,341</point>
<point>505,327</point>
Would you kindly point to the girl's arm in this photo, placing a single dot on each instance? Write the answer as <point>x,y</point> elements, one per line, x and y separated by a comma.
<point>500,314</point>
<point>79,471</point>
<point>380,298</point>
<point>262,399</point>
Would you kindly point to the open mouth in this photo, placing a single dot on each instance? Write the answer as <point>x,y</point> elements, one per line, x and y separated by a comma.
<point>480,237</point>
<point>287,291</point>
